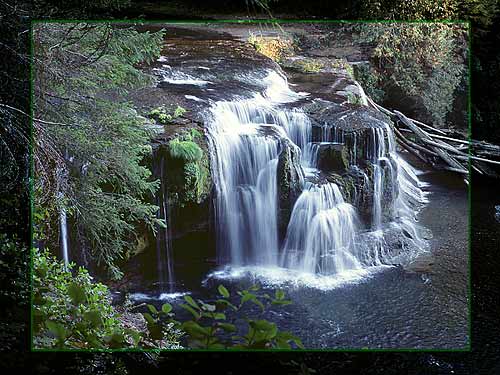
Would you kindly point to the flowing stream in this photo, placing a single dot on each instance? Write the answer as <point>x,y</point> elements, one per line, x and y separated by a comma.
<point>246,138</point>
<point>344,244</point>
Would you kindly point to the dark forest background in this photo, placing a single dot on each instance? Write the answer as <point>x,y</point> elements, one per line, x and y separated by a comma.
<point>15,136</point>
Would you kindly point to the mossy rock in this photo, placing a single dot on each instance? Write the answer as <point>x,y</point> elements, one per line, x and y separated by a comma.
<point>333,157</point>
<point>289,180</point>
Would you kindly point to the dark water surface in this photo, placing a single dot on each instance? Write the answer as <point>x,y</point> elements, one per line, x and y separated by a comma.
<point>422,306</point>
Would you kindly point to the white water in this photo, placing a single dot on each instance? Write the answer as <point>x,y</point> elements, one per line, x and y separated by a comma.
<point>177,77</point>
<point>63,223</point>
<point>245,159</point>
<point>323,237</point>
<point>320,237</point>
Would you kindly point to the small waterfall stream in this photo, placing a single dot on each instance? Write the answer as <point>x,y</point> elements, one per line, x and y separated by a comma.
<point>63,224</point>
<point>246,137</point>
<point>164,252</point>
<point>320,236</point>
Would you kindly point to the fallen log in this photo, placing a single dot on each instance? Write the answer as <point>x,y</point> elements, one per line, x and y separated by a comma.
<point>433,144</point>
<point>425,137</point>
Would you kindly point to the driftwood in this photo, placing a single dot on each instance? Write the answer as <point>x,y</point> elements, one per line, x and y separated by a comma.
<point>442,149</point>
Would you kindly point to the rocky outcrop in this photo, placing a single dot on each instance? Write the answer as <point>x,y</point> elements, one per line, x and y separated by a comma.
<point>348,158</point>
<point>186,183</point>
<point>332,157</point>
<point>290,180</point>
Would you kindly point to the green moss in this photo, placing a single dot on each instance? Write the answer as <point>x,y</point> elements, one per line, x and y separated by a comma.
<point>188,151</point>
<point>190,181</point>
<point>162,115</point>
<point>354,99</point>
<point>196,177</point>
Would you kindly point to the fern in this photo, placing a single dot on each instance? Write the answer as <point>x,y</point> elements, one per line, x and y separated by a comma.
<point>185,150</point>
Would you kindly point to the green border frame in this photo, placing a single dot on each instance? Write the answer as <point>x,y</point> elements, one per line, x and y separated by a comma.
<point>271,21</point>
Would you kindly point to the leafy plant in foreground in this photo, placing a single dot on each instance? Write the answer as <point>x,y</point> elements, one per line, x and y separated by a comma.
<point>209,327</point>
<point>71,311</point>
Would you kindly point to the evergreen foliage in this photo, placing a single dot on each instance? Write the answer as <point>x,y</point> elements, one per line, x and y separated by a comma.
<point>91,143</point>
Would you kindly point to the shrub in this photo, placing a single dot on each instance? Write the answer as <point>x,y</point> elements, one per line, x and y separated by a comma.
<point>370,81</point>
<point>209,327</point>
<point>424,60</point>
<point>274,48</point>
<point>71,311</point>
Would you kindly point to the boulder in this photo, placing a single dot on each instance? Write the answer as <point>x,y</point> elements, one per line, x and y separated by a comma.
<point>290,180</point>
<point>332,157</point>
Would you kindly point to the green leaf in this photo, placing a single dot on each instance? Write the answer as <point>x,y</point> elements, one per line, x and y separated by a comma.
<point>226,303</point>
<point>155,331</point>
<point>220,316</point>
<point>280,294</point>
<point>195,313</point>
<point>191,301</point>
<point>282,344</point>
<point>258,303</point>
<point>166,308</point>
<point>153,309</point>
<point>287,336</point>
<point>227,327</point>
<point>94,317</point>
<point>284,302</point>
<point>194,329</point>
<point>57,329</point>
<point>76,293</point>
<point>149,318</point>
<point>223,291</point>
<point>247,297</point>
<point>135,335</point>
<point>116,340</point>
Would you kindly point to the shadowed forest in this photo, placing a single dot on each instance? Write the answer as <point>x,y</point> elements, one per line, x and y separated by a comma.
<point>349,170</point>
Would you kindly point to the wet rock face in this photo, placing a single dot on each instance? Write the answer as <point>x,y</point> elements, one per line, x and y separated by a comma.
<point>356,185</point>
<point>289,176</point>
<point>185,185</point>
<point>346,154</point>
<point>332,157</point>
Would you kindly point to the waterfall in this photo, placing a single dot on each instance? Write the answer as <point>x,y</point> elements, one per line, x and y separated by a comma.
<point>323,236</point>
<point>245,160</point>
<point>63,224</point>
<point>164,254</point>
<point>320,236</point>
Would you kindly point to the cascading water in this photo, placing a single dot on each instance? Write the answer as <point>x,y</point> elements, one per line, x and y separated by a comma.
<point>246,155</point>
<point>246,138</point>
<point>164,252</point>
<point>320,237</point>
<point>63,224</point>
